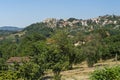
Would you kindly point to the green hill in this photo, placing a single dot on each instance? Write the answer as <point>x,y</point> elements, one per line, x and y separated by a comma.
<point>58,45</point>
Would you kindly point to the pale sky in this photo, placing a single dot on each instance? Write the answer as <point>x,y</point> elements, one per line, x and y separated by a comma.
<point>21,13</point>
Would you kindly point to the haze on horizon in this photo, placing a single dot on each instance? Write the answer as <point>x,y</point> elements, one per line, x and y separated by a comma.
<point>22,13</point>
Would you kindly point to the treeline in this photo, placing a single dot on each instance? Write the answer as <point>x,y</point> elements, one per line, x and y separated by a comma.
<point>6,33</point>
<point>56,50</point>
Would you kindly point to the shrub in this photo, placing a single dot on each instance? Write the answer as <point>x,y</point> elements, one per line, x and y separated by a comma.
<point>112,73</point>
<point>8,75</point>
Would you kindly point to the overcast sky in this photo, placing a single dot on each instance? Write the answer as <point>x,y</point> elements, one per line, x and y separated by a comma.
<point>22,13</point>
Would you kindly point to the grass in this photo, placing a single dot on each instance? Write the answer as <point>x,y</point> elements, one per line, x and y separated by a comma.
<point>82,72</point>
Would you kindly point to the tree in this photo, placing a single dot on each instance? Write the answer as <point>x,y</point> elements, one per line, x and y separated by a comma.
<point>92,50</point>
<point>90,55</point>
<point>66,46</point>
<point>113,43</point>
<point>55,60</point>
<point>0,54</point>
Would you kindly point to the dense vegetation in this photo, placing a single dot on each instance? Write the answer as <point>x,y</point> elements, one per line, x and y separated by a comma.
<point>112,73</point>
<point>6,32</point>
<point>57,49</point>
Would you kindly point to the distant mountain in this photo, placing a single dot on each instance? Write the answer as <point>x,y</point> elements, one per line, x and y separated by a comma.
<point>10,28</point>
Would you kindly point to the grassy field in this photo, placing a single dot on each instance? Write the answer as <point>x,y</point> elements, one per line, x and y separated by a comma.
<point>82,72</point>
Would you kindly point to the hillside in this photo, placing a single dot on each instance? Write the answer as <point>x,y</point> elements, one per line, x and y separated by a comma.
<point>75,25</point>
<point>82,72</point>
<point>7,31</point>
<point>72,47</point>
<point>88,23</point>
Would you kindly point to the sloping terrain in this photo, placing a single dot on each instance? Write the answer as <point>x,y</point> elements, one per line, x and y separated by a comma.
<point>82,72</point>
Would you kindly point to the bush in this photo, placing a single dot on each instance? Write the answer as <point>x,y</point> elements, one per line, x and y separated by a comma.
<point>8,75</point>
<point>112,73</point>
<point>31,71</point>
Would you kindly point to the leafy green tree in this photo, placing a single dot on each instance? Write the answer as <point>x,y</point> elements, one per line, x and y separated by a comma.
<point>56,61</point>
<point>90,56</point>
<point>27,44</point>
<point>113,44</point>
<point>66,46</point>
<point>92,49</point>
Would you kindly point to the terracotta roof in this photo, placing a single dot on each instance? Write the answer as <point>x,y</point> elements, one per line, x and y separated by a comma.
<point>18,59</point>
